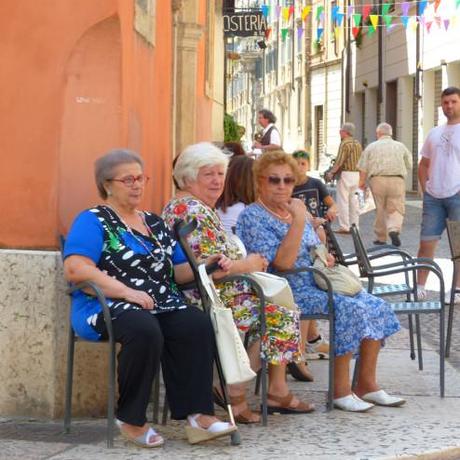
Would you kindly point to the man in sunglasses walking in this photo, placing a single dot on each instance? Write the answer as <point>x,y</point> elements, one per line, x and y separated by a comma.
<point>346,164</point>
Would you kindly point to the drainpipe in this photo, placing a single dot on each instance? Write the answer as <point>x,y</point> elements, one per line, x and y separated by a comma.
<point>380,67</point>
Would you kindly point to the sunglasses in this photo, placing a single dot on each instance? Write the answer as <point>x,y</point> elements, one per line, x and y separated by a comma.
<point>275,180</point>
<point>301,154</point>
<point>129,181</point>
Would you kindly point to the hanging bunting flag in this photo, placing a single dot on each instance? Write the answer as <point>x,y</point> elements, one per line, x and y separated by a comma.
<point>405,20</point>
<point>284,32</point>
<point>305,12</point>
<point>335,10</point>
<point>437,19</point>
<point>319,12</point>
<point>391,27</point>
<point>278,11</point>
<point>299,32</point>
<point>374,20</point>
<point>357,19</point>
<point>286,13</point>
<point>268,31</point>
<point>453,20</point>
<point>388,18</point>
<point>421,7</point>
<point>351,11</point>
<point>366,11</point>
<point>413,23</point>
<point>291,11</point>
<point>265,10</point>
<point>457,4</point>
<point>436,5</point>
<point>405,8</point>
<point>385,8</point>
<point>319,33</point>
<point>340,17</point>
<point>446,23</point>
<point>370,31</point>
<point>422,20</point>
<point>428,25</point>
<point>355,31</point>
<point>336,33</point>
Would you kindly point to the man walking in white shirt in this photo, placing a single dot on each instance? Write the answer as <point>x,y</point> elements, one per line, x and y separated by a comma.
<point>271,139</point>
<point>439,176</point>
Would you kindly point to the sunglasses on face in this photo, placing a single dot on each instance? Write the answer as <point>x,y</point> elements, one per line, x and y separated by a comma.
<point>275,180</point>
<point>301,154</point>
<point>129,181</point>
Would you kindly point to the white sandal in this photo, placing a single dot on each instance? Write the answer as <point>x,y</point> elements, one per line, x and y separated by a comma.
<point>382,398</point>
<point>351,403</point>
<point>195,433</point>
<point>144,439</point>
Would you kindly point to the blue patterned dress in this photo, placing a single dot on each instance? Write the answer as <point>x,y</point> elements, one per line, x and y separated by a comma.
<point>356,318</point>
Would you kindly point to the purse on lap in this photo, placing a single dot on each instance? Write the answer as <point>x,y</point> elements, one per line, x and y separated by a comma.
<point>232,354</point>
<point>342,279</point>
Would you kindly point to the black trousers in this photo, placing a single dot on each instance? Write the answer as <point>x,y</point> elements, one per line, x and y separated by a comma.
<point>184,342</point>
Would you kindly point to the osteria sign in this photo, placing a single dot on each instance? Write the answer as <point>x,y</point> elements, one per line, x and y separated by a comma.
<point>245,24</point>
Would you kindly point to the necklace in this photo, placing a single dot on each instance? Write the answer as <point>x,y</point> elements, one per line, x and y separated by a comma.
<point>286,217</point>
<point>141,241</point>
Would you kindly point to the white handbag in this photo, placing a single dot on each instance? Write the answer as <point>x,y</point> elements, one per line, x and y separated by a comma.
<point>232,354</point>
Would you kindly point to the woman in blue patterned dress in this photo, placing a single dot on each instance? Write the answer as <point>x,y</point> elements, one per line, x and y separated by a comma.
<point>134,260</point>
<point>277,227</point>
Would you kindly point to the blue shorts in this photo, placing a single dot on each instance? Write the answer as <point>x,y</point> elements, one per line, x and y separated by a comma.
<point>435,213</point>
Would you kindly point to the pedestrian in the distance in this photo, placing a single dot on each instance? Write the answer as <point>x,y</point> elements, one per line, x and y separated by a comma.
<point>346,164</point>
<point>439,176</point>
<point>384,165</point>
<point>271,138</point>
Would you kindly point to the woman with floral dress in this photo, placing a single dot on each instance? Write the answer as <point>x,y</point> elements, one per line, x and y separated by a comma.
<point>200,173</point>
<point>277,227</point>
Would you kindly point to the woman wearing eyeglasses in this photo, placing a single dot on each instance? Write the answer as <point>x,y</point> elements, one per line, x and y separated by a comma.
<point>277,227</point>
<point>200,173</point>
<point>132,257</point>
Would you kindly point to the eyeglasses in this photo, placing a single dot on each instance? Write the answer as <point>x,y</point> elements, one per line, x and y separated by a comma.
<point>275,180</point>
<point>129,181</point>
<point>301,154</point>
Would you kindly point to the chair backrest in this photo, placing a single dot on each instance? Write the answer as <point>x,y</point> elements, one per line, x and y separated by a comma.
<point>362,258</point>
<point>453,232</point>
<point>333,245</point>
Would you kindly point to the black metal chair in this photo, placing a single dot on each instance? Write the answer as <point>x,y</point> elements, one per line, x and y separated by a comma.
<point>406,266</point>
<point>453,233</point>
<point>182,229</point>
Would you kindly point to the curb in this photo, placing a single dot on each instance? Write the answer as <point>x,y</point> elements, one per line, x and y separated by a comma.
<point>449,453</point>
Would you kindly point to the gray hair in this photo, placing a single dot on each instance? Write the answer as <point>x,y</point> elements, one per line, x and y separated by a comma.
<point>348,128</point>
<point>105,165</point>
<point>193,158</point>
<point>385,129</point>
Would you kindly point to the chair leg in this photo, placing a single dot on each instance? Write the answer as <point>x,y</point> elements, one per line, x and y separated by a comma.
<point>441,353</point>
<point>354,380</point>
<point>156,397</point>
<point>258,380</point>
<point>111,396</point>
<point>451,310</point>
<point>411,337</point>
<point>330,397</point>
<point>69,381</point>
<point>419,341</point>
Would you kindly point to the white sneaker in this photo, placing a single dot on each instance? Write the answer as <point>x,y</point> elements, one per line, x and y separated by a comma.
<point>351,403</point>
<point>456,298</point>
<point>382,398</point>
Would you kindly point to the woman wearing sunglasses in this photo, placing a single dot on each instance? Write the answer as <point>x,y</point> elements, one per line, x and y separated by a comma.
<point>277,227</point>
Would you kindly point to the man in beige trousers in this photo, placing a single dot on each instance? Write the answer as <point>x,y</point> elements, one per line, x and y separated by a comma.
<point>384,164</point>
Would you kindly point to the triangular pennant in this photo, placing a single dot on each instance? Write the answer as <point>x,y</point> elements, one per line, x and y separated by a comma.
<point>421,7</point>
<point>319,33</point>
<point>336,33</point>
<point>355,31</point>
<point>357,19</point>
<point>278,11</point>
<point>421,19</point>
<point>453,20</point>
<point>405,8</point>
<point>366,11</point>
<point>305,12</point>
<point>390,27</point>
<point>405,20</point>
<point>428,25</point>
<point>319,11</point>
<point>299,32</point>
<point>385,8</point>
<point>284,32</point>
<point>446,23</point>
<point>335,10</point>
<point>351,11</point>
<point>340,17</point>
<point>370,31</point>
<point>438,21</point>
<point>436,5</point>
<point>291,11</point>
<point>268,31</point>
<point>265,10</point>
<point>388,18</point>
<point>413,23</point>
<point>286,13</point>
<point>374,19</point>
<point>457,4</point>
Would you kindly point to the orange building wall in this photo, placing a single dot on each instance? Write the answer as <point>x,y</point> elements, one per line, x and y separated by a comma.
<point>53,122</point>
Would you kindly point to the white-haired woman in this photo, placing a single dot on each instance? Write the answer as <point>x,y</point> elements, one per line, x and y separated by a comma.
<point>132,256</point>
<point>200,173</point>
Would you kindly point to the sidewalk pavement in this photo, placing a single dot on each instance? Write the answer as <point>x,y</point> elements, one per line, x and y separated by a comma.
<point>427,427</point>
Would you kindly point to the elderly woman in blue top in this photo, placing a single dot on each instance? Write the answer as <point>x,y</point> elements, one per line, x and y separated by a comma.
<point>277,227</point>
<point>133,258</point>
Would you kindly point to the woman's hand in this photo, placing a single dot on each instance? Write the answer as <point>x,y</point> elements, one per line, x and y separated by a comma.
<point>256,263</point>
<point>330,260</point>
<point>331,214</point>
<point>139,297</point>
<point>224,263</point>
<point>317,221</point>
<point>297,209</point>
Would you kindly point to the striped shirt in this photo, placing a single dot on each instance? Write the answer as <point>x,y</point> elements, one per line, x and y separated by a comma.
<point>349,154</point>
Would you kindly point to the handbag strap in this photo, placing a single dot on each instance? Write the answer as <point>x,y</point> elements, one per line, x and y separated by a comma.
<point>208,285</point>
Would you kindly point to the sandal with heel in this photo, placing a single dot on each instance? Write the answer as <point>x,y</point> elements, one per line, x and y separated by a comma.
<point>285,405</point>
<point>144,439</point>
<point>245,416</point>
<point>196,433</point>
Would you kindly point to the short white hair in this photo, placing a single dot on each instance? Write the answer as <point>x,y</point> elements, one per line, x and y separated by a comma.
<point>349,128</point>
<point>194,157</point>
<point>385,129</point>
